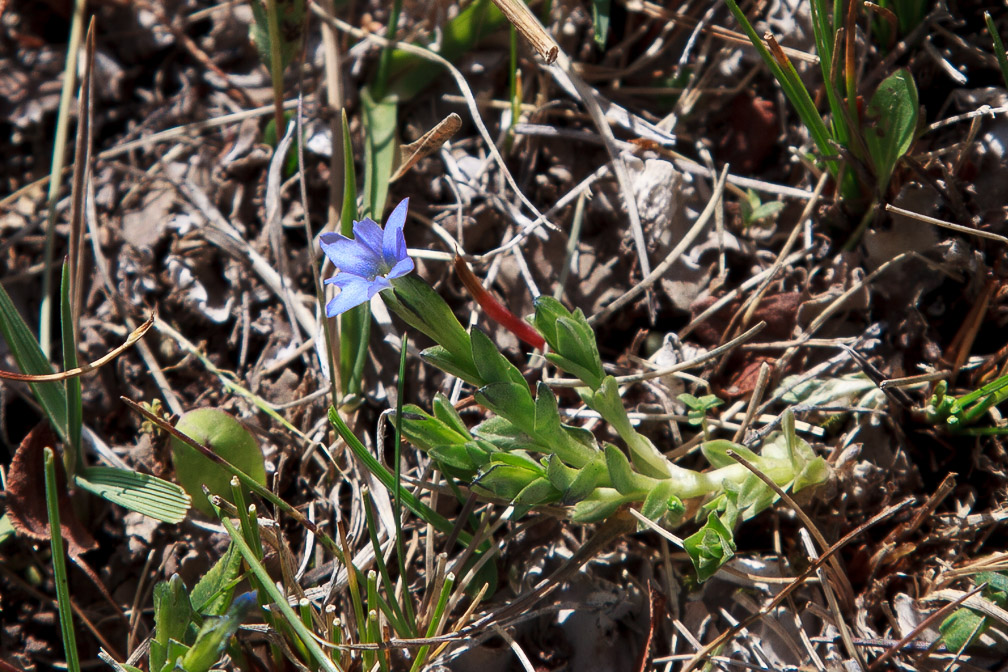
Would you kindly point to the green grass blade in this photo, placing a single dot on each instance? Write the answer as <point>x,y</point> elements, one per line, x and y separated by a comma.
<point>143,493</point>
<point>355,324</point>
<point>435,622</point>
<point>795,91</point>
<point>73,461</point>
<point>393,611</point>
<point>31,360</point>
<point>59,564</point>
<point>379,150</point>
<point>397,450</point>
<point>999,49</point>
<point>387,478</point>
<point>381,78</point>
<point>56,171</point>
<point>279,600</point>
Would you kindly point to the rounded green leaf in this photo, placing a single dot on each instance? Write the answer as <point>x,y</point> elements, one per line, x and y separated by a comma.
<point>229,440</point>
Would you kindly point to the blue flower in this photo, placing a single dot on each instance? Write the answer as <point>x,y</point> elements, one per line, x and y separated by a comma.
<point>367,263</point>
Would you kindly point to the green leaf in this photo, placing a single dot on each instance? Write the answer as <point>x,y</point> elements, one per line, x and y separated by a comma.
<point>212,593</point>
<point>492,366</point>
<point>571,338</point>
<point>355,324</point>
<point>962,628</point>
<point>143,493</point>
<point>215,633</point>
<point>662,501</point>
<point>223,434</point>
<point>891,123</point>
<point>380,118</point>
<point>424,310</point>
<point>506,478</point>
<point>446,413</point>
<point>30,359</point>
<point>599,505</point>
<point>588,478</point>
<point>716,452</point>
<point>710,547</point>
<point>513,401</point>
<point>443,359</point>
<point>559,474</point>
<point>547,415</point>
<point>623,477</point>
<point>172,615</point>
<point>72,459</point>
<point>537,493</point>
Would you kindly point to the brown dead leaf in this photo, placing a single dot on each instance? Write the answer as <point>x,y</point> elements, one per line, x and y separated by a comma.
<point>26,497</point>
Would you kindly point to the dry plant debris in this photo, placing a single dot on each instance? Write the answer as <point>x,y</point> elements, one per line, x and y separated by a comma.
<point>644,166</point>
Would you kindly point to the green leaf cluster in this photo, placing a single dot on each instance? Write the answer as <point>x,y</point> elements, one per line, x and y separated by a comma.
<point>526,455</point>
<point>193,629</point>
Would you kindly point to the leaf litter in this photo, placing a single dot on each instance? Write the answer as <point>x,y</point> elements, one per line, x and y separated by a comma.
<point>541,203</point>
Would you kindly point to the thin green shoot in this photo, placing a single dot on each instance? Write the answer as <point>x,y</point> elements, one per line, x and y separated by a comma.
<point>276,63</point>
<point>387,478</point>
<point>56,171</point>
<point>279,600</point>
<point>793,88</point>
<point>353,583</point>
<point>958,413</point>
<point>73,461</point>
<point>436,620</point>
<point>397,452</point>
<point>384,62</point>
<point>355,324</point>
<point>371,630</point>
<point>999,49</point>
<point>395,615</point>
<point>59,563</point>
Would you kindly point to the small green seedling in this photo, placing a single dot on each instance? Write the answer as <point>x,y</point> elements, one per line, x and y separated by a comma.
<point>697,408</point>
<point>228,439</point>
<point>753,210</point>
<point>956,414</point>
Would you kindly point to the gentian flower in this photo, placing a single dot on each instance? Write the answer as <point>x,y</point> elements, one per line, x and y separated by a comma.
<point>367,263</point>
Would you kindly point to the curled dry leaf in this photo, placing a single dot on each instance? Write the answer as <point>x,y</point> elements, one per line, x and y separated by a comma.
<point>26,496</point>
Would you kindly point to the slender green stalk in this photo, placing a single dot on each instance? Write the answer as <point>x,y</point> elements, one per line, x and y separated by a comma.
<point>59,563</point>
<point>56,171</point>
<point>276,64</point>
<point>280,600</point>
<point>435,622</point>
<point>73,462</point>
<point>999,49</point>
<point>399,623</point>
<point>407,602</point>
<point>381,78</point>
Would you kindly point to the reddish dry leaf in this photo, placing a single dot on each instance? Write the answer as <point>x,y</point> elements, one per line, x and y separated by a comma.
<point>26,497</point>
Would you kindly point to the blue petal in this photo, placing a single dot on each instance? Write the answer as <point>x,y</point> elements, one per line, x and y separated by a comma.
<point>401,268</point>
<point>342,279</point>
<point>393,241</point>
<point>349,255</point>
<point>353,294</point>
<point>369,234</point>
<point>380,283</point>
